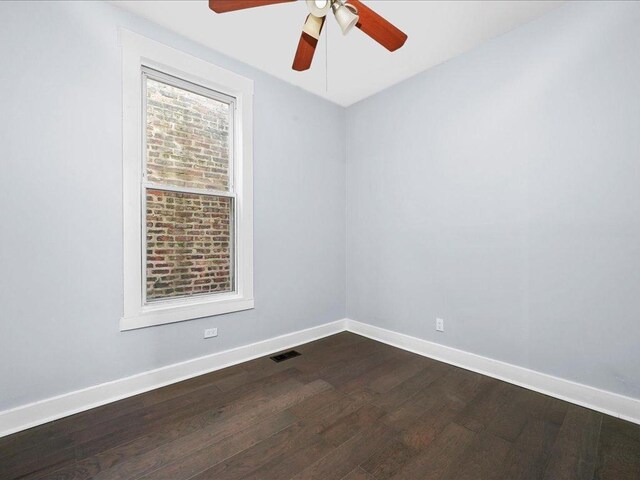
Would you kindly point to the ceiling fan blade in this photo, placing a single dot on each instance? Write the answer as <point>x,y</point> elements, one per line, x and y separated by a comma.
<point>223,6</point>
<point>383,32</point>
<point>307,44</point>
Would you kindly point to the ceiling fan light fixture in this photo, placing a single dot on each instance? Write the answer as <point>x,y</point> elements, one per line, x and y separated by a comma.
<point>346,16</point>
<point>313,26</point>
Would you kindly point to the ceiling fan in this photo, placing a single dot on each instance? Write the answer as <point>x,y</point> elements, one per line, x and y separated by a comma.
<point>348,13</point>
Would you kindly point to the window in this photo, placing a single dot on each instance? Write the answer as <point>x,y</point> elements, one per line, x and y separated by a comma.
<point>187,186</point>
<point>188,189</point>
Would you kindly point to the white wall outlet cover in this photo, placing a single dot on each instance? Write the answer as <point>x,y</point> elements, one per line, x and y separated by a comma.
<point>210,332</point>
<point>439,324</point>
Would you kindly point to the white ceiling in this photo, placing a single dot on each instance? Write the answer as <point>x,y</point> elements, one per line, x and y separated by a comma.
<point>356,66</point>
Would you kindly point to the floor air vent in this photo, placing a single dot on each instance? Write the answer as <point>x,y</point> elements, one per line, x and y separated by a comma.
<point>281,357</point>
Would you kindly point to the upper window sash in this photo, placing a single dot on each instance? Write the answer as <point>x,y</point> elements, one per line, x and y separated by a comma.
<point>150,73</point>
<point>173,81</point>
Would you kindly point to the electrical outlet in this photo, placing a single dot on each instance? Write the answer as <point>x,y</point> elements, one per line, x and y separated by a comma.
<point>439,324</point>
<point>210,332</point>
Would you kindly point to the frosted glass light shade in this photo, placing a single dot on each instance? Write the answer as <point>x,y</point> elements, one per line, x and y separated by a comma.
<point>345,16</point>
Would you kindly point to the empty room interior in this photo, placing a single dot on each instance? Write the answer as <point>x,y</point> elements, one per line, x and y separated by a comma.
<point>320,239</point>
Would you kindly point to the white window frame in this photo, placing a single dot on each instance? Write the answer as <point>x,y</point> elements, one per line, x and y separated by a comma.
<point>139,52</point>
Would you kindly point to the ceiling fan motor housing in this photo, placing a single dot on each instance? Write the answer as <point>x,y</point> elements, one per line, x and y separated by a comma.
<point>319,8</point>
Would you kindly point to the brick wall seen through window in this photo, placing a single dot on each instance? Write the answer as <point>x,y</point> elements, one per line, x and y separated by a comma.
<point>189,241</point>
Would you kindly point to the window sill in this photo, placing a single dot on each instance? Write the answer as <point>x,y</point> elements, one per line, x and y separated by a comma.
<point>152,315</point>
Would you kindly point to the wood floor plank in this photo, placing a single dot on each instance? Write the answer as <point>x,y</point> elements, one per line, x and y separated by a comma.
<point>291,462</point>
<point>574,453</point>
<point>24,464</point>
<point>554,409</point>
<point>236,380</point>
<point>483,459</point>
<point>618,451</point>
<point>430,424</point>
<point>340,377</point>
<point>398,395</point>
<point>332,413</point>
<point>342,430</point>
<point>387,461</point>
<point>510,419</point>
<point>482,410</point>
<point>251,459</point>
<point>381,374</point>
<point>435,461</point>
<point>145,416</point>
<point>343,459</point>
<point>403,371</point>
<point>622,427</point>
<point>311,405</point>
<point>308,431</point>
<point>207,456</point>
<point>358,474</point>
<point>450,389</point>
<point>531,451</point>
<point>221,427</point>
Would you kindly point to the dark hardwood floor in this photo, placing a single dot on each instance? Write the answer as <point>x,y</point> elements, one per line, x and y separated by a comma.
<point>348,408</point>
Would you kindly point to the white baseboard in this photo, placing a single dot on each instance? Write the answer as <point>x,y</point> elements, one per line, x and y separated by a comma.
<point>626,408</point>
<point>37,413</point>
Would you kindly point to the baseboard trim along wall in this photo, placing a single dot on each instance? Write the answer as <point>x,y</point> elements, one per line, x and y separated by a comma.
<point>37,413</point>
<point>626,408</point>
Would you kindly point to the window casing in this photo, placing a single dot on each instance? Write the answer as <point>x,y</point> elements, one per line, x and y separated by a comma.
<point>187,213</point>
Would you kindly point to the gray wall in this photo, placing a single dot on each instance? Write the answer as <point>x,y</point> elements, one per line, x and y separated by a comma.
<point>501,192</point>
<point>61,216</point>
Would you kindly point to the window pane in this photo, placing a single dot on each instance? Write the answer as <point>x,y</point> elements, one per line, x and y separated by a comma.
<point>187,138</point>
<point>189,244</point>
